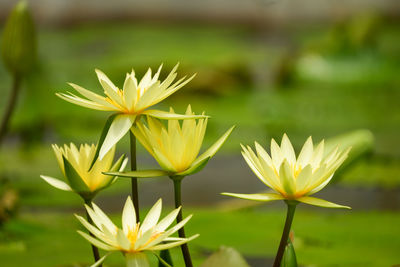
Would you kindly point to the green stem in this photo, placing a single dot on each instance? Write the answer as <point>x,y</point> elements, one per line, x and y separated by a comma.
<point>181,231</point>
<point>291,208</point>
<point>95,250</point>
<point>134,183</point>
<point>10,106</point>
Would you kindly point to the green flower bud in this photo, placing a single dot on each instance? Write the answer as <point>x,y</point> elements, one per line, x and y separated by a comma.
<point>18,46</point>
<point>289,257</point>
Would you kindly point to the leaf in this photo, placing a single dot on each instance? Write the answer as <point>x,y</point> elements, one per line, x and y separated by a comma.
<point>139,174</point>
<point>226,257</point>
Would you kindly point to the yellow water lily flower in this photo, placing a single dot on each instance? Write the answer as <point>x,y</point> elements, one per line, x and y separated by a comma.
<point>135,238</point>
<point>74,164</point>
<point>128,103</point>
<point>293,178</point>
<point>175,147</point>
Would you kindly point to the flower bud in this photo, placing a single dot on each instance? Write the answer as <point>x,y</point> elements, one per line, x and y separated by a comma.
<point>18,46</point>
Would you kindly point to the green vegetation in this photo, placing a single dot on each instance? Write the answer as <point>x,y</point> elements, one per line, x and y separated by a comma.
<point>321,238</point>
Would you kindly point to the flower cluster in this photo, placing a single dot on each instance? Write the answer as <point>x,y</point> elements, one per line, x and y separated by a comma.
<point>176,146</point>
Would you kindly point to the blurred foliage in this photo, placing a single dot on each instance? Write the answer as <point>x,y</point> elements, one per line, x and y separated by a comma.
<point>8,201</point>
<point>225,256</point>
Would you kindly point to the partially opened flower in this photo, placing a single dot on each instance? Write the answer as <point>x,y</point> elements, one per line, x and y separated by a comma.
<point>293,178</point>
<point>128,103</point>
<point>135,238</point>
<point>175,147</point>
<point>74,164</point>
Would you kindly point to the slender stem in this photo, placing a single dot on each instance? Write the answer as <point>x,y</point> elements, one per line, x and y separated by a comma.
<point>135,193</point>
<point>291,208</point>
<point>95,250</point>
<point>10,106</point>
<point>181,231</point>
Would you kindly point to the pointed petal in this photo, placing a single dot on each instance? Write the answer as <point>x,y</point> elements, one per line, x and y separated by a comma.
<point>100,261</point>
<point>257,197</point>
<point>56,183</point>
<point>128,216</point>
<point>171,116</point>
<point>118,128</point>
<point>152,217</point>
<point>130,93</point>
<point>82,102</point>
<point>139,174</point>
<point>173,244</point>
<point>276,154</point>
<point>320,202</point>
<point>122,240</point>
<point>215,147</point>
<point>167,220</point>
<point>96,242</point>
<point>143,239</point>
<point>91,96</point>
<point>92,229</point>
<point>306,153</point>
<point>194,168</point>
<point>287,178</point>
<point>104,220</point>
<point>304,178</point>
<point>317,155</point>
<point>287,149</point>
<point>109,88</point>
<point>74,179</point>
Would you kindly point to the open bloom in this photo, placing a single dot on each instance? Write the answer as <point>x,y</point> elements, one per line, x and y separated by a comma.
<point>291,178</point>
<point>134,238</point>
<point>74,164</point>
<point>128,103</point>
<point>175,147</point>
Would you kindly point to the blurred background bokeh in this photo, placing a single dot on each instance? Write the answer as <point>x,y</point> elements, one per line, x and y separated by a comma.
<point>320,68</point>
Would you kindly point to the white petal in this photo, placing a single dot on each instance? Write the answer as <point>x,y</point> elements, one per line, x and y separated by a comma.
<point>287,150</point>
<point>96,242</point>
<point>128,216</point>
<point>152,217</point>
<point>119,127</point>
<point>305,153</point>
<point>56,183</point>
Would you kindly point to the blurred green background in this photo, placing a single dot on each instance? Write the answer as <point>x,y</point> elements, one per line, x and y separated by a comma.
<point>322,71</point>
